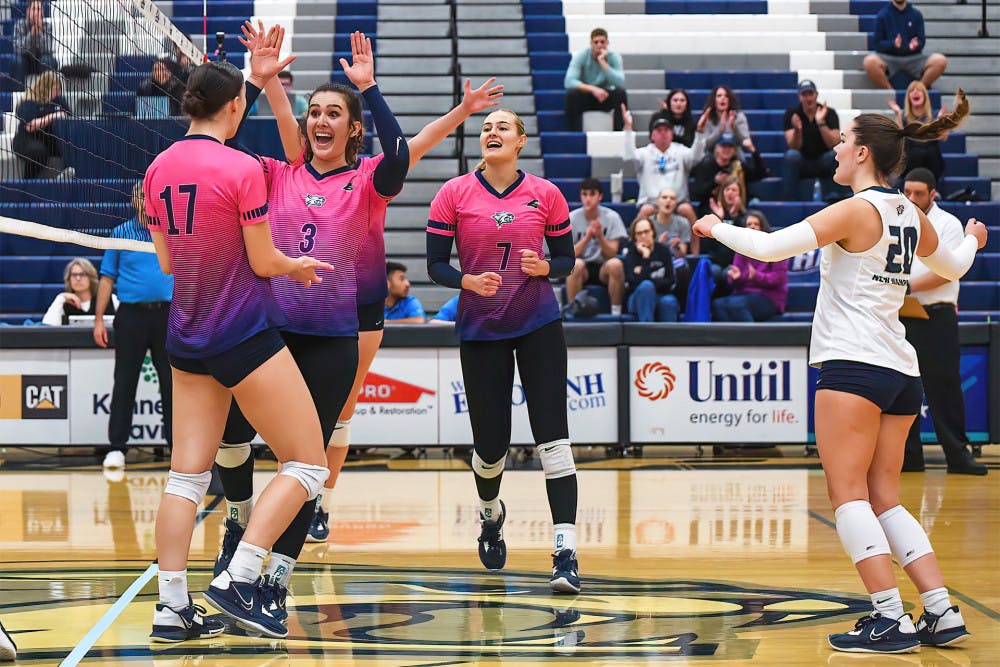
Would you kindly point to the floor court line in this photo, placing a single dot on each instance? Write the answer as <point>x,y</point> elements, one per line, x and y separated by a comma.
<point>83,647</point>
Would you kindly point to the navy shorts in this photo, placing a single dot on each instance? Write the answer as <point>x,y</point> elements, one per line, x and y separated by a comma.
<point>894,392</point>
<point>235,364</point>
<point>371,316</point>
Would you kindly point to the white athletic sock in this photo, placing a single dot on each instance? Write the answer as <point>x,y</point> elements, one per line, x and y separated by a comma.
<point>280,568</point>
<point>936,600</point>
<point>326,501</point>
<point>247,562</point>
<point>173,588</point>
<point>888,603</point>
<point>490,509</point>
<point>239,511</point>
<point>616,310</point>
<point>565,536</point>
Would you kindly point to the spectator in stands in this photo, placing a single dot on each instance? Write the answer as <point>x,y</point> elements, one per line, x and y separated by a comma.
<point>926,154</point>
<point>448,313</point>
<point>595,80</point>
<point>936,341</point>
<point>163,83</point>
<point>677,109</point>
<point>140,326</point>
<point>598,232</point>
<point>715,169</point>
<point>811,132</point>
<point>180,64</point>
<point>33,41</point>
<point>34,142</point>
<point>728,204</point>
<point>400,306</point>
<point>649,271</point>
<point>899,46</point>
<point>298,102</point>
<point>662,163</point>
<point>760,289</point>
<point>80,283</point>
<point>722,115</point>
<point>672,230</point>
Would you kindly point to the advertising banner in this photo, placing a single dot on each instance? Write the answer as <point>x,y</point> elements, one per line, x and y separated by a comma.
<point>591,399</point>
<point>34,397</point>
<point>718,394</point>
<point>398,404</point>
<point>93,373</point>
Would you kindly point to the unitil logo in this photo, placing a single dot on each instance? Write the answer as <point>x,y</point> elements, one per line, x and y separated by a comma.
<point>654,381</point>
<point>381,389</point>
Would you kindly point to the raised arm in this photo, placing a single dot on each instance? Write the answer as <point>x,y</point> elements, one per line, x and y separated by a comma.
<point>474,100</point>
<point>948,263</point>
<point>265,49</point>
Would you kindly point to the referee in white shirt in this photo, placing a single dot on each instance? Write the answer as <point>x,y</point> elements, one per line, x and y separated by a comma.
<point>936,341</point>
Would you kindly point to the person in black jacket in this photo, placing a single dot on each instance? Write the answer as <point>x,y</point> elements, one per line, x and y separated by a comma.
<point>715,169</point>
<point>163,83</point>
<point>649,272</point>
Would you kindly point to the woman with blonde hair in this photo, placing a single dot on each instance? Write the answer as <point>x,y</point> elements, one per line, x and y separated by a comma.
<point>34,142</point>
<point>80,281</point>
<point>917,109</point>
<point>499,217</point>
<point>868,391</point>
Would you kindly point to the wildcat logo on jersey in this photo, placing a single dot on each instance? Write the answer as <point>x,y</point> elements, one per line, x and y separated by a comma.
<point>900,209</point>
<point>315,200</point>
<point>503,218</point>
<point>534,203</point>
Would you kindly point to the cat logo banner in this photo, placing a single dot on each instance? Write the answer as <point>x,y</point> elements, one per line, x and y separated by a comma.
<point>33,397</point>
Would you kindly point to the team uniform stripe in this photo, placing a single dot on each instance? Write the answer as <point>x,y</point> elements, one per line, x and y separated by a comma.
<point>558,229</point>
<point>440,227</point>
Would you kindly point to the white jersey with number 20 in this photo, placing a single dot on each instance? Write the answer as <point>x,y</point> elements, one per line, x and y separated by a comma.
<point>860,294</point>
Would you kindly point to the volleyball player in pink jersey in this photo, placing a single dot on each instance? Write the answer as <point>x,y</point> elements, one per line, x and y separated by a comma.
<point>325,201</point>
<point>207,206</point>
<point>499,216</point>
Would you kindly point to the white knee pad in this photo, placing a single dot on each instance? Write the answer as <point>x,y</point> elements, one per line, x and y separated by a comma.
<point>233,456</point>
<point>192,486</point>
<point>557,459</point>
<point>341,434</point>
<point>309,476</point>
<point>487,470</point>
<point>905,534</point>
<point>860,532</point>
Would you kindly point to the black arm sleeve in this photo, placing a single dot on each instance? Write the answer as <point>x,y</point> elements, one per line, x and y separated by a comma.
<point>439,266</point>
<point>391,171</point>
<point>562,259</point>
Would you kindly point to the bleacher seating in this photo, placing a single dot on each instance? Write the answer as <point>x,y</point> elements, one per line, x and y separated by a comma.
<point>30,270</point>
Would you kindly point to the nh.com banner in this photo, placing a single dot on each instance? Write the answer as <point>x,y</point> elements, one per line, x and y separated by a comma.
<point>718,394</point>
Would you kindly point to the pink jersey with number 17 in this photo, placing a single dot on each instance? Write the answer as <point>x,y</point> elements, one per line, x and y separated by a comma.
<point>200,194</point>
<point>491,229</point>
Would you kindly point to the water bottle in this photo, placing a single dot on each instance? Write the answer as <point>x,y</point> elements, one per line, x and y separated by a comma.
<point>817,191</point>
<point>617,185</point>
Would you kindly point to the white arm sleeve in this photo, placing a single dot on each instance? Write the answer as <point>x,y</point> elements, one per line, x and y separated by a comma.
<point>774,247</point>
<point>952,264</point>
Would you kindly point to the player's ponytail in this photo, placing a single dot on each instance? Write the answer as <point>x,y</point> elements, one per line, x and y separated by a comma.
<point>210,86</point>
<point>887,141</point>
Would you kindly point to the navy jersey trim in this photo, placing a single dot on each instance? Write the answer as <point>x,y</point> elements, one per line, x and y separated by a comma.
<point>492,191</point>
<point>555,229</point>
<point>199,136</point>
<point>333,172</point>
<point>443,226</point>
<point>887,191</point>
<point>255,213</point>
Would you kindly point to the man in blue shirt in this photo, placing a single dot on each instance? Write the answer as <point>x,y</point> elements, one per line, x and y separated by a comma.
<point>400,307</point>
<point>899,46</point>
<point>595,81</point>
<point>144,294</point>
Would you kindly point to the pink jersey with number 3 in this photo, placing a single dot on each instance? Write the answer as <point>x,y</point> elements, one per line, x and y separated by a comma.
<point>491,229</point>
<point>200,194</point>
